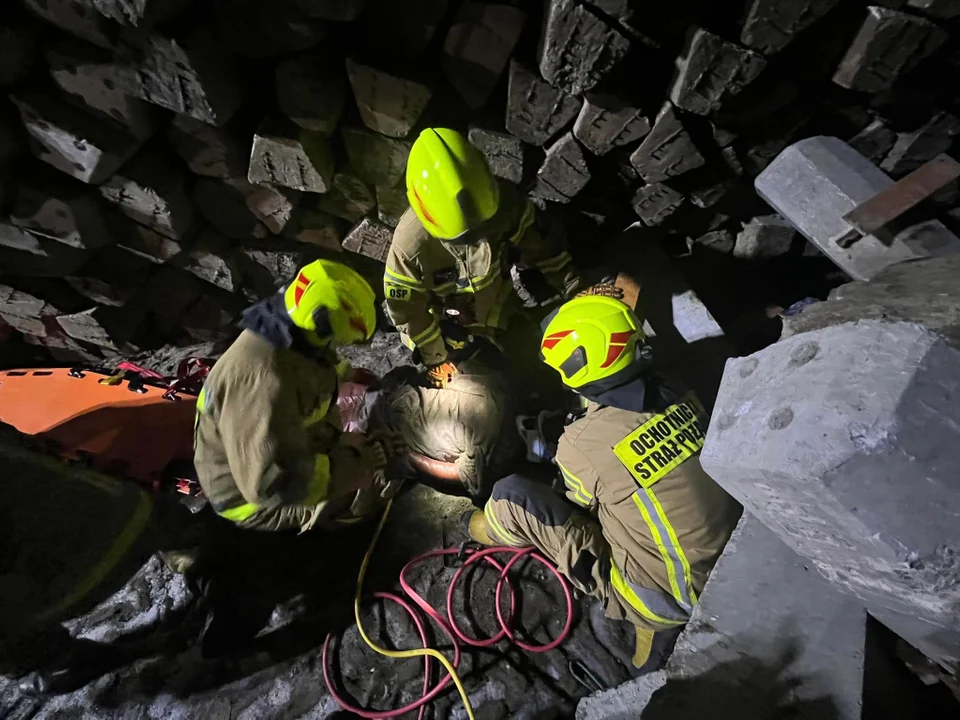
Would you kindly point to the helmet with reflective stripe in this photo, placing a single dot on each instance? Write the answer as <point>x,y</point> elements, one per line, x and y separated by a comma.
<point>591,338</point>
<point>449,185</point>
<point>331,303</point>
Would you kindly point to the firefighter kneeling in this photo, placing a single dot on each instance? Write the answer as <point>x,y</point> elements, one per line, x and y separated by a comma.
<point>643,524</point>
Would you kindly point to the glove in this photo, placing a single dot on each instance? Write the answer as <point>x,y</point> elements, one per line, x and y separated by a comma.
<point>442,375</point>
<point>603,290</point>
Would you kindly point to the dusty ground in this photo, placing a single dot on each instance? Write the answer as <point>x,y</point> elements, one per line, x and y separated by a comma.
<point>282,676</point>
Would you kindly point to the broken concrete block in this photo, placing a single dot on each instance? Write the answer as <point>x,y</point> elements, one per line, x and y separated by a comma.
<point>212,316</point>
<point>606,122</point>
<point>888,45</point>
<point>19,52</point>
<point>945,9</point>
<point>765,236</point>
<point>369,238</point>
<point>503,152</point>
<point>35,298</point>
<point>210,260</point>
<point>89,77</point>
<point>536,111</point>
<point>564,172</point>
<point>54,207</point>
<point>256,30</point>
<point>266,268</point>
<point>709,195</point>
<point>351,198</point>
<point>223,203</point>
<point>874,141</point>
<point>842,440</point>
<point>111,278</point>
<point>187,74</point>
<point>913,149</point>
<point>339,10</point>
<point>655,203</point>
<point>208,150</point>
<point>78,18</point>
<point>721,241</point>
<point>389,103</point>
<point>141,13</point>
<point>310,92</point>
<point>273,206</point>
<point>23,253</point>
<point>72,141</point>
<point>579,47</point>
<point>142,241</point>
<point>392,203</point>
<point>668,151</point>
<point>771,24</point>
<point>315,227</point>
<point>151,190</point>
<point>104,326</point>
<point>283,154</point>
<point>378,160</point>
<point>713,71</point>
<point>406,28</point>
<point>477,48</point>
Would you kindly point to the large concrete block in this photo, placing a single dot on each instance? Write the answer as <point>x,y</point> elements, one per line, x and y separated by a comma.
<point>78,18</point>
<point>668,151</point>
<point>478,46</point>
<point>350,198</point>
<point>284,154</point>
<point>339,10</point>
<point>815,182</point>
<point>188,74</point>
<point>71,140</point>
<point>257,30</point>
<point>504,152</point>
<point>23,253</point>
<point>89,77</point>
<point>142,241</point>
<point>378,160</point>
<point>655,203</point>
<point>369,238</point>
<point>841,440</point>
<point>389,103</point>
<point>713,71</point>
<point>105,326</point>
<point>407,28</point>
<point>55,207</point>
<point>765,236</point>
<point>606,122</point>
<point>310,92</point>
<point>151,190</point>
<point>913,149</point>
<point>273,206</point>
<point>564,172</point>
<point>580,46</point>
<point>223,203</point>
<point>210,259</point>
<point>26,305</point>
<point>771,24</point>
<point>266,268</point>
<point>889,44</point>
<point>111,278</point>
<point>142,13</point>
<point>874,141</point>
<point>19,45</point>
<point>212,316</point>
<point>309,225</point>
<point>536,111</point>
<point>392,203</point>
<point>208,150</point>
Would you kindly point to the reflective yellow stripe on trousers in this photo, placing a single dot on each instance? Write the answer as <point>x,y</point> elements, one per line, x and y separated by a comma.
<point>678,569</point>
<point>653,605</point>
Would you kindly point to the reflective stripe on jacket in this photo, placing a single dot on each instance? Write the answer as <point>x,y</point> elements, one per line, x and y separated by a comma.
<point>424,275</point>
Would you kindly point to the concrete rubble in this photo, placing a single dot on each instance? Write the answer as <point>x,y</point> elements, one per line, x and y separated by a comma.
<point>913,149</point>
<point>207,150</point>
<point>772,24</point>
<point>26,254</point>
<point>310,93</point>
<point>389,103</point>
<point>111,328</point>
<point>407,28</point>
<point>606,122</point>
<point>945,9</point>
<point>765,236</point>
<point>273,206</point>
<point>656,202</point>
<point>258,30</point>
<point>283,154</point>
<point>350,197</point>
<point>111,277</point>
<point>874,141</point>
<point>564,172</point>
<point>378,160</point>
<point>78,18</point>
<point>713,71</point>
<point>536,111</point>
<point>142,241</point>
<point>224,206</point>
<point>721,241</point>
<point>142,13</point>
<point>369,238</point>
<point>309,225</point>
<point>392,203</point>
<point>60,209</point>
<point>504,152</point>
<point>889,44</point>
<point>266,267</point>
<point>668,150</point>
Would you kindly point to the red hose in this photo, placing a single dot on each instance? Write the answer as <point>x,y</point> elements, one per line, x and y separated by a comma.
<point>450,627</point>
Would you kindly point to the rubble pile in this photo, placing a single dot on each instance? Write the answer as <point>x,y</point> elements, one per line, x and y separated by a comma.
<point>165,162</point>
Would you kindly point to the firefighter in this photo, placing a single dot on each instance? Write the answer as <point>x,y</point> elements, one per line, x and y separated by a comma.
<point>268,451</point>
<point>447,271</point>
<point>642,523</point>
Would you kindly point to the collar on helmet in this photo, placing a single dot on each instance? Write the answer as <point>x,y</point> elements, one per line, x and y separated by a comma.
<point>270,320</point>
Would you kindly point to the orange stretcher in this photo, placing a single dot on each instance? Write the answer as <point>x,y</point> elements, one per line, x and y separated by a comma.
<point>134,424</point>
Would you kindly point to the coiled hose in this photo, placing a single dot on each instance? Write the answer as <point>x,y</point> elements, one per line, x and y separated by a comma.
<point>448,625</point>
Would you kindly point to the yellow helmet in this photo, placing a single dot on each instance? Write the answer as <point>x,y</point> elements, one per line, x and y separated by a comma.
<point>591,338</point>
<point>331,302</point>
<point>449,185</point>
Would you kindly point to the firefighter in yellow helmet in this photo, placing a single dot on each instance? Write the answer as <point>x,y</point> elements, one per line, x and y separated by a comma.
<point>269,452</point>
<point>642,524</point>
<point>448,269</point>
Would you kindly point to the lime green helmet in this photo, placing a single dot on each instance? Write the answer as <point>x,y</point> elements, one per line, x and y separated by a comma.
<point>449,185</point>
<point>591,338</point>
<point>332,304</point>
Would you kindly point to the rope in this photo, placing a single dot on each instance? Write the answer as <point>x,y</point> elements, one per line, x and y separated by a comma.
<point>448,624</point>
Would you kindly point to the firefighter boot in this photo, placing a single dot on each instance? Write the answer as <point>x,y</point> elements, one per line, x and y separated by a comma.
<point>475,525</point>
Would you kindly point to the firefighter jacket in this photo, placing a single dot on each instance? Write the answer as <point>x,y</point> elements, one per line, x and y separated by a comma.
<point>471,422</point>
<point>469,279</point>
<point>638,470</point>
<point>268,449</point>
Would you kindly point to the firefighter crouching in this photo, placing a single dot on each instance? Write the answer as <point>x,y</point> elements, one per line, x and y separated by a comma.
<point>642,524</point>
<point>447,271</point>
